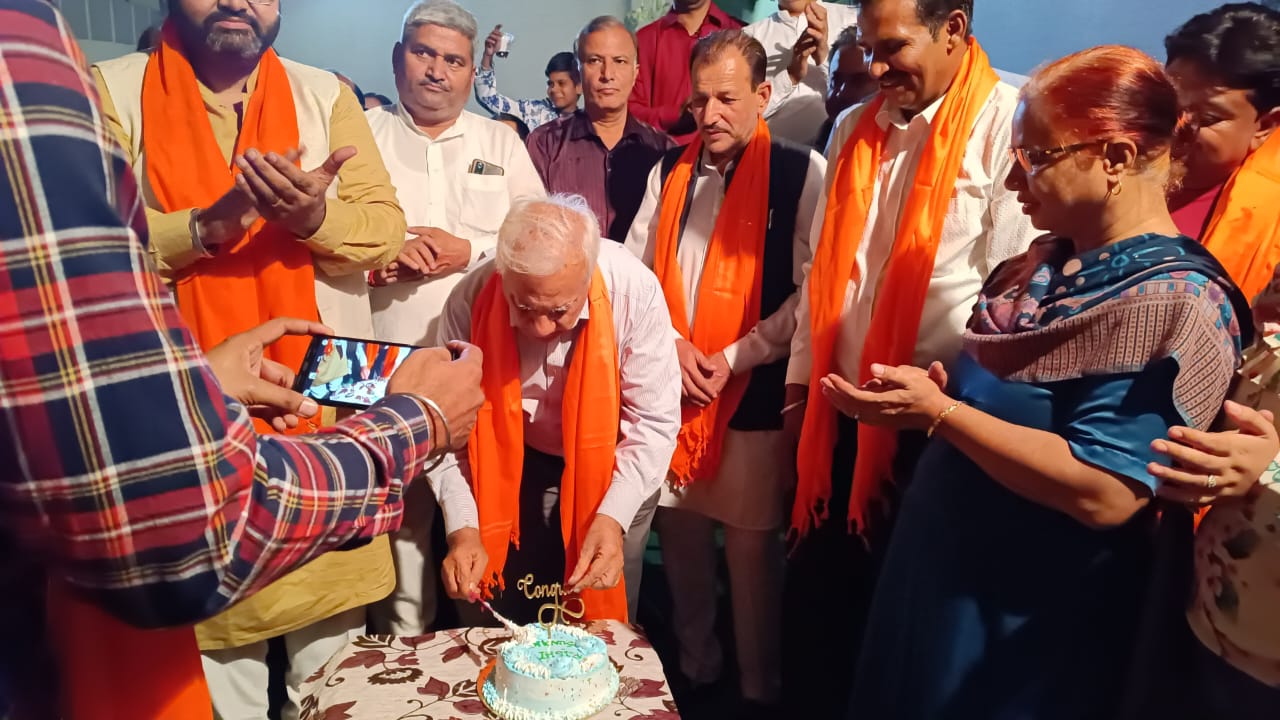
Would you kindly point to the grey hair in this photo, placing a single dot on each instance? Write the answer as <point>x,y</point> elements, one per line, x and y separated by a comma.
<point>540,236</point>
<point>446,14</point>
<point>604,22</point>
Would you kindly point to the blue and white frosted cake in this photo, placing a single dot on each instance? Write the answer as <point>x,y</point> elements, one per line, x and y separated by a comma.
<point>563,674</point>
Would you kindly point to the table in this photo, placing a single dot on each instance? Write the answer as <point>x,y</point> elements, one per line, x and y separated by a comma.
<point>433,677</point>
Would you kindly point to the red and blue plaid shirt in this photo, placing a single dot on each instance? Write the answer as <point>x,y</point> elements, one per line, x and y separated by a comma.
<point>123,468</point>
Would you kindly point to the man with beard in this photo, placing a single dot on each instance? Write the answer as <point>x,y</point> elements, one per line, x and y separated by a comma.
<point>456,174</point>
<point>266,197</point>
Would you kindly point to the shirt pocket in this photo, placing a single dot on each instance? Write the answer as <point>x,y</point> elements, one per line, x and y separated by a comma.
<point>966,222</point>
<point>485,201</point>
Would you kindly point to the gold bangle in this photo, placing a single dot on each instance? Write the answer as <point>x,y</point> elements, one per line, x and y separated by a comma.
<point>937,422</point>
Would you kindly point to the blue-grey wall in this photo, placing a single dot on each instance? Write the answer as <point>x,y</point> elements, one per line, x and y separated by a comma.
<point>1022,34</point>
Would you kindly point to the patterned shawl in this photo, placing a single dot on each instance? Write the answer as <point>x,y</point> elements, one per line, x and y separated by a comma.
<point>1051,314</point>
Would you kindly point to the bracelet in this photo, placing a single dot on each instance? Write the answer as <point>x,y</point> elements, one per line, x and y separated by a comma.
<point>793,406</point>
<point>937,422</point>
<point>432,406</point>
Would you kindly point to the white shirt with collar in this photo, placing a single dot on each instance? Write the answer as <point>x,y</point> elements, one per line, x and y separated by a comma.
<point>984,226</point>
<point>770,339</point>
<point>650,384</point>
<point>435,187</point>
<point>797,111</point>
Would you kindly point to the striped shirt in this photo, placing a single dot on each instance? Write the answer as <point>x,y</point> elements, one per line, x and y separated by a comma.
<point>130,475</point>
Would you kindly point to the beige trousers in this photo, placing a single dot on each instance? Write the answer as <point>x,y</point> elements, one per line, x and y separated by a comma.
<point>238,677</point>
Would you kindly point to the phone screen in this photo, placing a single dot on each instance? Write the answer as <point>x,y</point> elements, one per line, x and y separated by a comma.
<point>348,372</point>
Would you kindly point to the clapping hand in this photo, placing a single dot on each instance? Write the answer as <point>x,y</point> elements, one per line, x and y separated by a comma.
<point>283,193</point>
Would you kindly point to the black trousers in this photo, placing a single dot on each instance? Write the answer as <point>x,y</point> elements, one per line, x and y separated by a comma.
<point>538,564</point>
<point>830,581</point>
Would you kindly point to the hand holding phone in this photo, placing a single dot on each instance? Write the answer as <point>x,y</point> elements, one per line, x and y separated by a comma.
<point>259,384</point>
<point>451,378</point>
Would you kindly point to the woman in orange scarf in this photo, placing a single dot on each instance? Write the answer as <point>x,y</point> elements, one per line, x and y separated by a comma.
<point>1226,66</point>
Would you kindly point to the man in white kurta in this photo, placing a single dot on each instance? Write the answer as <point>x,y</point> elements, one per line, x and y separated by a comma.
<point>455,174</point>
<point>746,494</point>
<point>830,574</point>
<point>798,40</point>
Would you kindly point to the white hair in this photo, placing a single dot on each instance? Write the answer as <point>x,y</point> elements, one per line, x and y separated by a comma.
<point>446,14</point>
<point>540,236</point>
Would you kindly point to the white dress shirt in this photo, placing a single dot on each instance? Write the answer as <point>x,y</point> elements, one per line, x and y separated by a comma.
<point>770,339</point>
<point>984,226</point>
<point>436,189</point>
<point>797,111</point>
<point>650,388</point>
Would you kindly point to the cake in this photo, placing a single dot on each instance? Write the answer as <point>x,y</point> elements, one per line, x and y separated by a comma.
<point>550,673</point>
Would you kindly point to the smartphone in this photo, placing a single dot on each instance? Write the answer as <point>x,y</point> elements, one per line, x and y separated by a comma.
<point>480,167</point>
<point>504,45</point>
<point>348,372</point>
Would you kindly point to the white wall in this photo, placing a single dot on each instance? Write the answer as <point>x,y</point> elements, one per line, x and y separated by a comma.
<point>1022,34</point>
<point>356,37</point>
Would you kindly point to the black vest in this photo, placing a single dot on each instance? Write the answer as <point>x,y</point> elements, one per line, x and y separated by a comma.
<point>761,406</point>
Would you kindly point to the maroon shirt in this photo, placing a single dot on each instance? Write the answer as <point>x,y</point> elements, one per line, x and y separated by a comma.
<point>662,80</point>
<point>1191,217</point>
<point>571,158</point>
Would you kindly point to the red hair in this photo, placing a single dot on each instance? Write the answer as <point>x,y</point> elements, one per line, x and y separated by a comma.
<point>1110,91</point>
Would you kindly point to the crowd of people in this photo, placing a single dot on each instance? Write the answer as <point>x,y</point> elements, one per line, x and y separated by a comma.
<point>945,362</point>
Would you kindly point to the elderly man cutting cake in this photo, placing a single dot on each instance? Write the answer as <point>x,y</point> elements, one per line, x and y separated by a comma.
<point>556,489</point>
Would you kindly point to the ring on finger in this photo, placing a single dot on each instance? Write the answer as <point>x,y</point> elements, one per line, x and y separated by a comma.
<point>1211,481</point>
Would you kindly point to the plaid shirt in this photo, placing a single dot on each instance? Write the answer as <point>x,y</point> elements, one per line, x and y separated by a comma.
<point>128,472</point>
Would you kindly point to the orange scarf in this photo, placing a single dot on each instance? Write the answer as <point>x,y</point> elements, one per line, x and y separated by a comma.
<point>895,321</point>
<point>113,671</point>
<point>267,272</point>
<point>1244,230</point>
<point>591,410</point>
<point>728,295</point>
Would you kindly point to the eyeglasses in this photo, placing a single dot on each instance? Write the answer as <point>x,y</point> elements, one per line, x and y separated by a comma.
<point>1031,159</point>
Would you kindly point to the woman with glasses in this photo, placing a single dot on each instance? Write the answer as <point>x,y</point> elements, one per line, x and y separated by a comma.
<point>1013,583</point>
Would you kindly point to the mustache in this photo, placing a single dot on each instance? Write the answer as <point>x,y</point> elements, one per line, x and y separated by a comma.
<point>220,15</point>
<point>434,83</point>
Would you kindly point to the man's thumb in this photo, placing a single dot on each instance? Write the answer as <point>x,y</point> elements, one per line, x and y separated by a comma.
<point>329,170</point>
<point>284,400</point>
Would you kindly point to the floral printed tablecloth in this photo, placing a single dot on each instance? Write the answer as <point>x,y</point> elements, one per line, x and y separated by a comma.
<point>433,677</point>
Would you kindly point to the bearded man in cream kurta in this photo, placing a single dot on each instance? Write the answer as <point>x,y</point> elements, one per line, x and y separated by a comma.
<point>301,208</point>
<point>456,174</point>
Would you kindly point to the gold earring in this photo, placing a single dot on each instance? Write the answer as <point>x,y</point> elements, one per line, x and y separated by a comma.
<point>1115,191</point>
